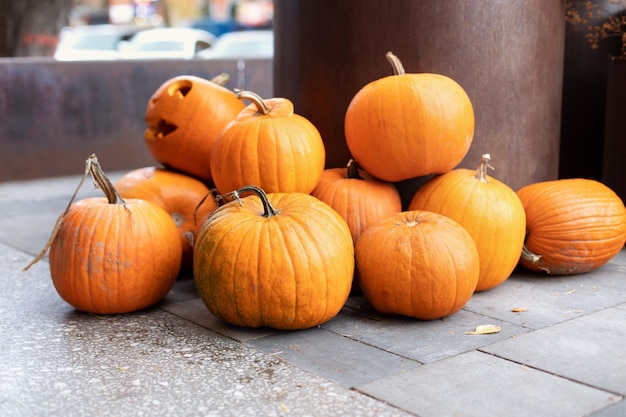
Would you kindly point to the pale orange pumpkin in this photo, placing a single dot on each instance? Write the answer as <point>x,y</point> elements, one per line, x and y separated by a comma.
<point>187,200</point>
<point>269,146</point>
<point>281,260</point>
<point>491,212</point>
<point>409,125</point>
<point>417,263</point>
<point>184,116</point>
<point>574,225</point>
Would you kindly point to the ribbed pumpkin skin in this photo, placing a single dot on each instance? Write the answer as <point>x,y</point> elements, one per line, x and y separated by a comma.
<point>360,202</point>
<point>405,126</point>
<point>575,225</point>
<point>184,116</point>
<point>418,264</point>
<point>111,258</point>
<point>279,152</point>
<point>290,271</point>
<point>176,193</point>
<point>491,212</point>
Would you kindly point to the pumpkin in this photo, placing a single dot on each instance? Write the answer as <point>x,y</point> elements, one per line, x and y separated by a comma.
<point>281,260</point>
<point>182,196</point>
<point>573,225</point>
<point>111,256</point>
<point>409,125</point>
<point>184,116</point>
<point>357,196</point>
<point>418,264</point>
<point>489,210</point>
<point>270,146</point>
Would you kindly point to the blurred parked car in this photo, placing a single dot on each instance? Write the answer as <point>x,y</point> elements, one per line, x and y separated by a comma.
<point>244,44</point>
<point>175,43</point>
<point>92,42</point>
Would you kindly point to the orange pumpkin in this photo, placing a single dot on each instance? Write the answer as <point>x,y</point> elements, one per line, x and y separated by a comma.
<point>182,196</point>
<point>488,209</point>
<point>417,263</point>
<point>184,116</point>
<point>409,125</point>
<point>357,196</point>
<point>111,256</point>
<point>573,225</point>
<point>282,260</point>
<point>270,146</point>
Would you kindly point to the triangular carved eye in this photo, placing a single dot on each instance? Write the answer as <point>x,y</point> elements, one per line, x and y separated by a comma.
<point>180,88</point>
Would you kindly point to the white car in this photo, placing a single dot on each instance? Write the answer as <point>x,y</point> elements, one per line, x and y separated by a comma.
<point>169,43</point>
<point>243,44</point>
<point>92,42</point>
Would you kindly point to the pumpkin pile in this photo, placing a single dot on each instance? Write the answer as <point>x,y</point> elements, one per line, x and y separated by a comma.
<point>275,239</point>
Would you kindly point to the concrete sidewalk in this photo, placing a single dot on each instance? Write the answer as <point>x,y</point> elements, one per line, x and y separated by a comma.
<point>564,356</point>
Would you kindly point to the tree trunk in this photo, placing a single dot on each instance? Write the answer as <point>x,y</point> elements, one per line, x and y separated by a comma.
<point>31,27</point>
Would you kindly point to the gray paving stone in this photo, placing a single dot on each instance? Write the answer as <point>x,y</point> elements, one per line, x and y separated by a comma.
<point>475,384</point>
<point>551,299</point>
<point>333,356</point>
<point>615,410</point>
<point>423,341</point>
<point>589,349</point>
<point>60,362</point>
<point>195,311</point>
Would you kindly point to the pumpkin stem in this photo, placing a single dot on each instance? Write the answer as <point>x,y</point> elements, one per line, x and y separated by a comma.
<point>92,166</point>
<point>268,209</point>
<point>533,258</point>
<point>254,98</point>
<point>102,181</point>
<point>353,170</point>
<point>481,171</point>
<point>396,64</point>
<point>221,79</point>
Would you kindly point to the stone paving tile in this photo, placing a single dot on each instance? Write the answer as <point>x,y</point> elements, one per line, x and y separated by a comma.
<point>60,362</point>
<point>337,358</point>
<point>589,349</point>
<point>196,312</point>
<point>551,299</point>
<point>476,384</point>
<point>423,341</point>
<point>615,410</point>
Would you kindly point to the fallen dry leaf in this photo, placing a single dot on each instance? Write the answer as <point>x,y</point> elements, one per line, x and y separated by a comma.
<point>486,329</point>
<point>519,309</point>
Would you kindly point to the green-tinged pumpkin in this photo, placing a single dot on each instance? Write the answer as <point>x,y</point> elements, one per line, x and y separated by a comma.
<point>270,146</point>
<point>573,225</point>
<point>417,263</point>
<point>409,125</point>
<point>489,210</point>
<point>280,260</point>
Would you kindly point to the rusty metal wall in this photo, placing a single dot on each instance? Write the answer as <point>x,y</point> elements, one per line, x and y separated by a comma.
<point>53,115</point>
<point>508,55</point>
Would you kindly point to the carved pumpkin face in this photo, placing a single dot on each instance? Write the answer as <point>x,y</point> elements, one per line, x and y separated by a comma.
<point>184,117</point>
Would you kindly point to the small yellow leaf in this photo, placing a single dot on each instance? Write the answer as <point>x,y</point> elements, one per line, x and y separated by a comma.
<point>486,329</point>
<point>519,309</point>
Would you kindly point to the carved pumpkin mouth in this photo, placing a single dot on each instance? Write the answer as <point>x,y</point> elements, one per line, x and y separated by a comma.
<point>163,129</point>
